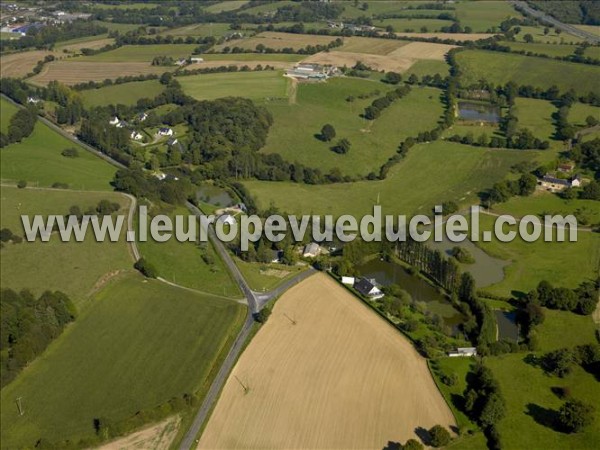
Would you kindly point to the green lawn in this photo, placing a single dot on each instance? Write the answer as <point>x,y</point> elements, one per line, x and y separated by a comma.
<point>564,329</point>
<point>293,134</point>
<point>541,48</point>
<point>182,263</point>
<point>37,160</point>
<point>124,94</point>
<point>430,173</point>
<point>140,344</point>
<point>500,68</point>
<point>483,16</point>
<point>133,53</point>
<point>428,67</point>
<point>537,261</point>
<point>580,111</point>
<point>56,265</point>
<point>253,85</point>
<point>7,109</point>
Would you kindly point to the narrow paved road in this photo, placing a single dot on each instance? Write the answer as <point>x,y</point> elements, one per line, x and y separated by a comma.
<point>545,18</point>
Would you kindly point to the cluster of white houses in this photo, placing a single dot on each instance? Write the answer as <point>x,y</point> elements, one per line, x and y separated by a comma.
<point>136,135</point>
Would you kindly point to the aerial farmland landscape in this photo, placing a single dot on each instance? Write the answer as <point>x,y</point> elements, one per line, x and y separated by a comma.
<point>299,224</point>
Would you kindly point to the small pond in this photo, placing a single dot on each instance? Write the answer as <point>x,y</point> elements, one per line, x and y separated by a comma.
<point>386,273</point>
<point>478,112</point>
<point>507,326</point>
<point>214,195</point>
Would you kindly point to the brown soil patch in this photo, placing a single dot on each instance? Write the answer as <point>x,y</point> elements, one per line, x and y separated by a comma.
<point>20,64</point>
<point>72,72</point>
<point>423,50</point>
<point>276,40</point>
<point>156,437</point>
<point>373,46</point>
<point>335,376</point>
<point>349,59</point>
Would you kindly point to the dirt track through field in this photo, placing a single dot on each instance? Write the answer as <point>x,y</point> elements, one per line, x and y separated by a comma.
<point>325,372</point>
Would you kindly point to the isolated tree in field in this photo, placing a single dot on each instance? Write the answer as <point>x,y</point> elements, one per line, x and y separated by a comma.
<point>493,411</point>
<point>591,121</point>
<point>546,31</point>
<point>263,315</point>
<point>22,184</point>
<point>528,38</point>
<point>145,268</point>
<point>342,147</point>
<point>5,235</point>
<point>392,78</point>
<point>559,362</point>
<point>575,415</point>
<point>440,437</point>
<point>70,152</point>
<point>327,132</point>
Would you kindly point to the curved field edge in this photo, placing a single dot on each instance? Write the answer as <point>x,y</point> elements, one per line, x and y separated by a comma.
<point>138,345</point>
<point>321,354</point>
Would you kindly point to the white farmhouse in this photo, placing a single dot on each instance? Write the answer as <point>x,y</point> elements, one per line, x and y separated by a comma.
<point>165,131</point>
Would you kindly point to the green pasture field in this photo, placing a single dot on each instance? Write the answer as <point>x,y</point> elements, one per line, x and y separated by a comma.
<point>377,7</point>
<point>229,5</point>
<point>233,57</point>
<point>533,262</point>
<point>536,116</point>
<point>140,53</point>
<point>542,203</point>
<point>464,128</point>
<point>123,94</point>
<point>260,279</point>
<point>530,400</point>
<point>37,160</point>
<point>589,28</point>
<point>551,38</point>
<point>374,46</point>
<point>75,268</point>
<point>483,16</point>
<point>182,263</point>
<point>427,67</point>
<point>267,7</point>
<point>542,49</point>
<point>138,345</point>
<point>500,68</point>
<point>7,109</point>
<point>253,85</point>
<point>373,142</point>
<point>412,186</point>
<point>127,6</point>
<point>413,25</point>
<point>580,111</point>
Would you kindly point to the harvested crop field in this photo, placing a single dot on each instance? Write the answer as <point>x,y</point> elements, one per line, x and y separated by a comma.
<point>276,40</point>
<point>453,36</point>
<point>422,50</point>
<point>20,64</point>
<point>349,59</point>
<point>93,44</point>
<point>71,72</point>
<point>250,63</point>
<point>325,372</point>
<point>370,45</point>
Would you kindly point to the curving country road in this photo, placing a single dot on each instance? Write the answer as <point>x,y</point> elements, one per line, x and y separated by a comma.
<point>255,300</point>
<point>545,18</point>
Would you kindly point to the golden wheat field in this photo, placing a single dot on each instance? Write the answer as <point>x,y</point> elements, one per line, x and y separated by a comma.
<point>325,372</point>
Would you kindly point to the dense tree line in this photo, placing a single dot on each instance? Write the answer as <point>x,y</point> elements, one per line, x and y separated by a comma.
<point>21,125</point>
<point>502,191</point>
<point>374,110</point>
<point>587,155</point>
<point>47,36</point>
<point>577,56</point>
<point>29,324</point>
<point>582,300</point>
<point>484,403</point>
<point>583,11</point>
